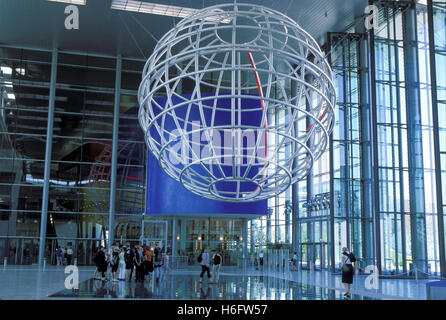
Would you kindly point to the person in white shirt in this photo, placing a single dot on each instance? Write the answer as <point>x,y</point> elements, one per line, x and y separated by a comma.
<point>294,260</point>
<point>69,256</point>
<point>205,262</point>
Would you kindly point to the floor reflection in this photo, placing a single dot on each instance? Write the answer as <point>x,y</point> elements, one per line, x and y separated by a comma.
<point>183,286</point>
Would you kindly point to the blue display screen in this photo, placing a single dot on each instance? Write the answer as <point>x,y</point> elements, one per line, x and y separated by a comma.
<point>167,196</point>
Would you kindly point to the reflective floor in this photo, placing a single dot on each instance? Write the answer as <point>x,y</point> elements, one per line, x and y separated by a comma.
<point>187,286</point>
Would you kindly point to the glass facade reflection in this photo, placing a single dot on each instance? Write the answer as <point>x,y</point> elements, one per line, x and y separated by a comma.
<point>82,137</point>
<point>380,189</point>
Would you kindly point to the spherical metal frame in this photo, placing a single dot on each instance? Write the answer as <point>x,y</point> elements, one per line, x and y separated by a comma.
<point>269,68</point>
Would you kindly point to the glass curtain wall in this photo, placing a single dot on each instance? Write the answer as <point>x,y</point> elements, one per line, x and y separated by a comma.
<point>79,184</point>
<point>346,146</point>
<point>438,54</point>
<point>24,87</point>
<point>407,207</point>
<point>407,176</point>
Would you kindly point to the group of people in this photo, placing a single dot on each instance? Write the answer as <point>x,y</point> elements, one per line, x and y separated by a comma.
<point>126,260</point>
<point>205,261</point>
<point>64,256</point>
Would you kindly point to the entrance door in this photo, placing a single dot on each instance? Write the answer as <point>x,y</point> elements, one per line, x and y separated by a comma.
<point>313,255</point>
<point>154,231</point>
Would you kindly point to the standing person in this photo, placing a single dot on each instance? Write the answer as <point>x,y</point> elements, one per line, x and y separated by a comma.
<point>139,251</point>
<point>348,259</point>
<point>139,268</point>
<point>114,263</point>
<point>101,263</point>
<point>69,256</point>
<point>128,256</point>
<point>166,264</point>
<point>294,260</point>
<point>216,259</point>
<point>59,256</point>
<point>121,264</point>
<point>158,261</point>
<point>261,259</point>
<point>64,256</point>
<point>205,262</point>
<point>148,261</point>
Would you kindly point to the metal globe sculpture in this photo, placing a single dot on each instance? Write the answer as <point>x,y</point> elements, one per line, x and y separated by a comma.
<point>236,102</point>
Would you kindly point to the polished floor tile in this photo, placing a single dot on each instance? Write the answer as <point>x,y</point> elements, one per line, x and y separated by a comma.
<point>187,286</point>
<point>28,282</point>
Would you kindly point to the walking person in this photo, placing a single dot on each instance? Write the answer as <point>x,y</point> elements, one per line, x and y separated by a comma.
<point>121,275</point>
<point>166,263</point>
<point>59,256</point>
<point>216,259</point>
<point>205,262</point>
<point>101,263</point>
<point>348,259</point>
<point>158,261</point>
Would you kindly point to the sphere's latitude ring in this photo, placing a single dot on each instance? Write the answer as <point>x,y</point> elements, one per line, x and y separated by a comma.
<point>292,139</point>
<point>264,12</point>
<point>162,155</point>
<point>230,27</point>
<point>229,127</point>
<point>154,76</point>
<point>163,84</point>
<point>254,193</point>
<point>175,39</point>
<point>236,96</point>
<point>185,55</point>
<point>266,192</point>
<point>162,49</point>
<point>153,120</point>
<point>214,30</point>
<point>198,162</point>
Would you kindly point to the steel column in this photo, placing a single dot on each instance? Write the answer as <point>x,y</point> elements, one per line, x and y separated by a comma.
<point>174,252</point>
<point>331,221</point>
<point>114,164</point>
<point>245,243</point>
<point>438,168</point>
<point>366,155</point>
<point>48,151</point>
<point>414,137</point>
<point>374,131</point>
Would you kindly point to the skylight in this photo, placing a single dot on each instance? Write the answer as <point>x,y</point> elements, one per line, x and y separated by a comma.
<point>78,2</point>
<point>156,8</point>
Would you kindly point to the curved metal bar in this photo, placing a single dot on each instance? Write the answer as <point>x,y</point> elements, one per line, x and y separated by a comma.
<point>206,48</point>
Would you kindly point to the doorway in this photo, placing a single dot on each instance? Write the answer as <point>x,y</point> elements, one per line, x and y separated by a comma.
<point>314,255</point>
